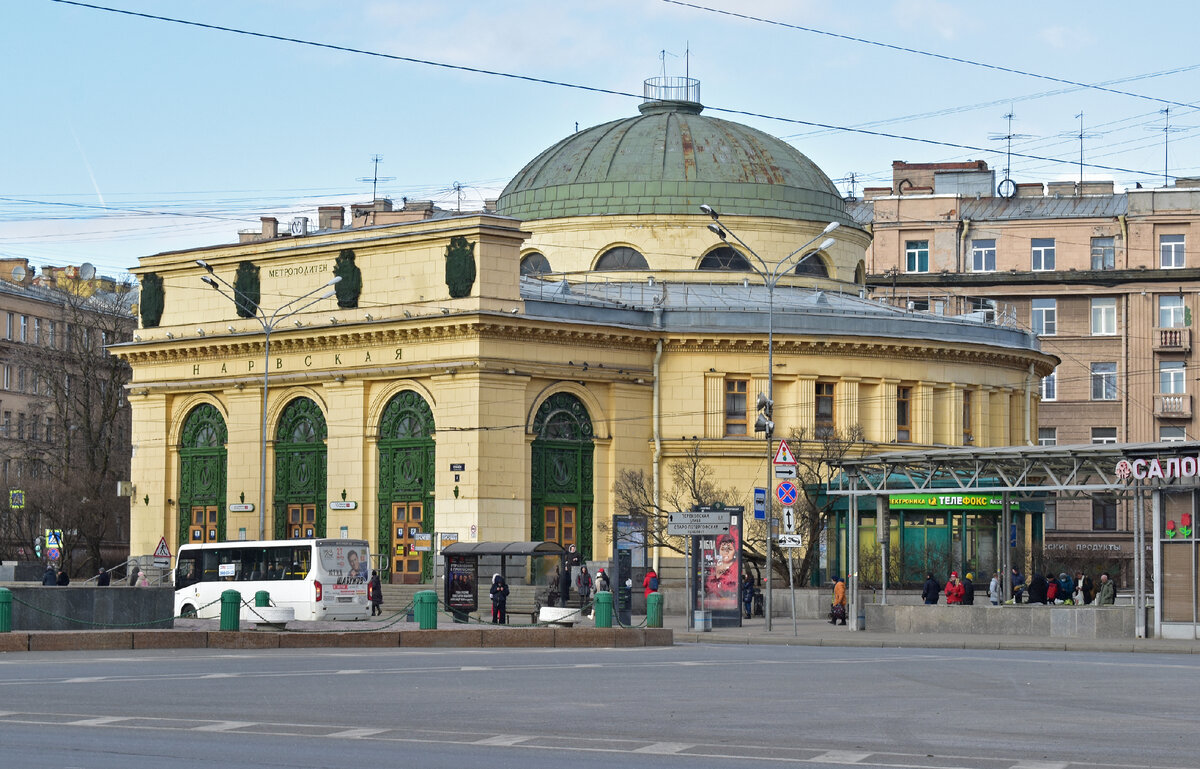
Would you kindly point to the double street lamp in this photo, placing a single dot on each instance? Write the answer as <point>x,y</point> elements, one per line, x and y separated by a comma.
<point>770,273</point>
<point>268,324</point>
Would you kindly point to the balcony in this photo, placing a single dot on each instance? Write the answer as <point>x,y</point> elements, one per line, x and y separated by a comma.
<point>1172,340</point>
<point>1174,406</point>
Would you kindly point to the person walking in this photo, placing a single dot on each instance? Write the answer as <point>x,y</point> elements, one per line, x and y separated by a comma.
<point>954,590</point>
<point>63,578</point>
<point>564,586</point>
<point>650,582</point>
<point>969,589</point>
<point>1018,584</point>
<point>602,583</point>
<point>994,589</point>
<point>499,594</point>
<point>103,579</point>
<point>1037,589</point>
<point>837,609</point>
<point>1106,595</point>
<point>49,578</point>
<point>583,583</point>
<point>375,594</point>
<point>748,595</point>
<point>931,590</point>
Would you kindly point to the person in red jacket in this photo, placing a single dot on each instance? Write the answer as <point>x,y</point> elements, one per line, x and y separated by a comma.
<point>650,581</point>
<point>954,590</point>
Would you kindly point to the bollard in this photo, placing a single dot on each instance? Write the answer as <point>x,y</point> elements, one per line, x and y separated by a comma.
<point>603,608</point>
<point>5,610</point>
<point>231,604</point>
<point>654,610</point>
<point>426,609</point>
<point>262,598</point>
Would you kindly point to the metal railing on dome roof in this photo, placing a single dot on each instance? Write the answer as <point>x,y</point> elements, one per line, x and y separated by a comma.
<point>671,89</point>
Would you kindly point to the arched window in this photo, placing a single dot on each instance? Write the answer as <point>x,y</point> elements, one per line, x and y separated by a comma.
<point>534,263</point>
<point>622,258</point>
<point>860,274</point>
<point>725,259</point>
<point>812,264</point>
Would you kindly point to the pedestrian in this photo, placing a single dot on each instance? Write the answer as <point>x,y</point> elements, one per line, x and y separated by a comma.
<point>103,579</point>
<point>1066,587</point>
<point>133,575</point>
<point>1018,584</point>
<point>748,595</point>
<point>1037,589</point>
<point>499,594</point>
<point>1085,583</point>
<point>954,590</point>
<point>932,589</point>
<point>564,586</point>
<point>837,610</point>
<point>1051,589</point>
<point>969,589</point>
<point>49,578</point>
<point>583,583</point>
<point>602,583</point>
<point>63,578</point>
<point>375,594</point>
<point>994,589</point>
<point>1106,595</point>
<point>143,580</point>
<point>650,581</point>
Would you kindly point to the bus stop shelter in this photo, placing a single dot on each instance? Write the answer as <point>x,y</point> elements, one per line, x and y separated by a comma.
<point>1160,481</point>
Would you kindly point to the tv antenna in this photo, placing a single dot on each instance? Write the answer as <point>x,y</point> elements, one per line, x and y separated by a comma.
<point>458,189</point>
<point>1080,135</point>
<point>852,181</point>
<point>376,179</point>
<point>1167,130</point>
<point>1007,182</point>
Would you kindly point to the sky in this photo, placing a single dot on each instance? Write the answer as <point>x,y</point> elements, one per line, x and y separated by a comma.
<point>126,136</point>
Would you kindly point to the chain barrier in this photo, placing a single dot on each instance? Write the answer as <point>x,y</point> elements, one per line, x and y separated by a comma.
<point>65,618</point>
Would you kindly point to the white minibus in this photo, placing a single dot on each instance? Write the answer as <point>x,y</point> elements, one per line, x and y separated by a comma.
<point>320,578</point>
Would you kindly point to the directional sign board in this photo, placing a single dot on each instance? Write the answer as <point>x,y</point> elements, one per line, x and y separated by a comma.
<point>789,520</point>
<point>791,540</point>
<point>683,524</point>
<point>785,472</point>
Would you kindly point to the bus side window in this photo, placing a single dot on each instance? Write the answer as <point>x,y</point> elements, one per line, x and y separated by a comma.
<point>186,571</point>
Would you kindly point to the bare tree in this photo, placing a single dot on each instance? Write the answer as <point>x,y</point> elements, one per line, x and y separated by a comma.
<point>814,470</point>
<point>76,445</point>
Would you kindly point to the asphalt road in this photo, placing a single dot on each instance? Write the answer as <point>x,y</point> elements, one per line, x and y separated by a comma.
<point>683,706</point>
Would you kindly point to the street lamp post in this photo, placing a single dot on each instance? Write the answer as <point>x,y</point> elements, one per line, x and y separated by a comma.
<point>770,275</point>
<point>268,325</point>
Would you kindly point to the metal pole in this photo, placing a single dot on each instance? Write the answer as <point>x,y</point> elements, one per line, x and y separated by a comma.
<point>882,535</point>
<point>262,477</point>
<point>792,584</point>
<point>770,456</point>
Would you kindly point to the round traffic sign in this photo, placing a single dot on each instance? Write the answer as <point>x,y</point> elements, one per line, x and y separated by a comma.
<point>786,492</point>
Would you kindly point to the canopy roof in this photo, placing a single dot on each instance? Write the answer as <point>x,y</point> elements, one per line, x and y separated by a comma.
<point>504,548</point>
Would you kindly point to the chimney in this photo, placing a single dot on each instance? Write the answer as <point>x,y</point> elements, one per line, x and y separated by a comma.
<point>270,227</point>
<point>331,217</point>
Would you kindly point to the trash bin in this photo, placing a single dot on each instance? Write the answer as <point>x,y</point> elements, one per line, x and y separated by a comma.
<point>262,598</point>
<point>654,610</point>
<point>425,604</point>
<point>603,609</point>
<point>231,604</point>
<point>702,621</point>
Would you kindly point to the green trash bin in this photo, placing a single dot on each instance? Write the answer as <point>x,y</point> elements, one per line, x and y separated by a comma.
<point>231,604</point>
<point>603,607</point>
<point>262,598</point>
<point>654,610</point>
<point>5,610</point>
<point>425,604</point>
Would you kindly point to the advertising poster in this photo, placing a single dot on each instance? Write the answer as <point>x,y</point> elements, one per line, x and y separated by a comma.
<point>462,576</point>
<point>718,570</point>
<point>347,560</point>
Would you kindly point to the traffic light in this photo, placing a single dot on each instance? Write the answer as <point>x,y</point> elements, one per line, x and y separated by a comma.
<point>763,423</point>
<point>37,546</point>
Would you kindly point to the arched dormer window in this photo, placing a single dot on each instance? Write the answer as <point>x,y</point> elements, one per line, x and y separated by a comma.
<point>860,274</point>
<point>534,263</point>
<point>812,264</point>
<point>622,258</point>
<point>724,259</point>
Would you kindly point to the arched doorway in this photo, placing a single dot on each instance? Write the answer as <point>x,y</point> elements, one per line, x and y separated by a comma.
<point>562,474</point>
<point>300,471</point>
<point>202,463</point>
<point>406,475</point>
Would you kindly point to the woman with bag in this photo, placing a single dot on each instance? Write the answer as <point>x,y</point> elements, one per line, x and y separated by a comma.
<point>837,610</point>
<point>375,593</point>
<point>499,593</point>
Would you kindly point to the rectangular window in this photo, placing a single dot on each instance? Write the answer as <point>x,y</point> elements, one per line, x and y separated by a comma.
<point>7,376</point>
<point>1043,254</point>
<point>21,426</point>
<point>1170,311</point>
<point>1172,433</point>
<point>1104,435</point>
<point>53,334</point>
<point>49,429</point>
<point>823,422</point>
<point>968,425</point>
<point>9,334</point>
<point>735,406</point>
<point>7,424</point>
<point>1104,515</point>
<point>1170,377</point>
<point>37,330</point>
<point>1047,436</point>
<point>903,414</point>
<point>1050,386</point>
<point>1171,251</point>
<point>1104,381</point>
<point>1104,317</point>
<point>20,379</point>
<point>1044,317</point>
<point>1104,254</point>
<point>916,256</point>
<point>983,255</point>
<point>24,328</point>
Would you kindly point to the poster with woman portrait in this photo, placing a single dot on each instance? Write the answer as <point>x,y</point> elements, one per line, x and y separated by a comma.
<point>717,566</point>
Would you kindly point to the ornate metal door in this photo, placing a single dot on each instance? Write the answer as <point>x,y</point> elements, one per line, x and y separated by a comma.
<point>406,482</point>
<point>562,494</point>
<point>202,467</point>
<point>300,470</point>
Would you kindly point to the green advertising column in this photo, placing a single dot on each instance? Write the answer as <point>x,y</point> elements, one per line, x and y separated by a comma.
<point>654,610</point>
<point>231,604</point>
<point>603,607</point>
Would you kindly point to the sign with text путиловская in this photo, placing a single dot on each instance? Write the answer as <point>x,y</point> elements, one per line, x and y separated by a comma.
<point>698,523</point>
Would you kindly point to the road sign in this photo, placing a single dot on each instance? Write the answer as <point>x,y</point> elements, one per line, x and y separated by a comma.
<point>162,553</point>
<point>789,520</point>
<point>713,516</point>
<point>760,504</point>
<point>785,472</point>
<point>53,554</point>
<point>447,538</point>
<point>784,455</point>
<point>422,542</point>
<point>53,537</point>
<point>16,499</point>
<point>693,524</point>
<point>791,540</point>
<point>786,492</point>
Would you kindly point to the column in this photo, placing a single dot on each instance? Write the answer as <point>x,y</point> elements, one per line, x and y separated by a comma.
<point>805,402</point>
<point>714,405</point>
<point>845,405</point>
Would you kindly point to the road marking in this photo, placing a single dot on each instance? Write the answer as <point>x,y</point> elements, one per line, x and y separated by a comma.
<point>357,733</point>
<point>85,680</point>
<point>223,726</point>
<point>1041,765</point>
<point>219,675</point>
<point>665,748</point>
<point>100,721</point>
<point>503,739</point>
<point>840,757</point>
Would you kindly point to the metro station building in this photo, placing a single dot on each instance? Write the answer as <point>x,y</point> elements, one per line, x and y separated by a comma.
<point>491,374</point>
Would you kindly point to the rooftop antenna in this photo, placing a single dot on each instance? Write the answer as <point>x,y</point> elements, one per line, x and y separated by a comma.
<point>662,57</point>
<point>1082,136</point>
<point>1006,186</point>
<point>458,189</point>
<point>852,180</point>
<point>376,179</point>
<point>1167,130</point>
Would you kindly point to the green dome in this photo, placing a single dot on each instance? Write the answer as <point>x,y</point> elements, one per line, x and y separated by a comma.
<point>669,160</point>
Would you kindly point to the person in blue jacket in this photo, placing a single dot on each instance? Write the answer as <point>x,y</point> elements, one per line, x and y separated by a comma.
<point>932,589</point>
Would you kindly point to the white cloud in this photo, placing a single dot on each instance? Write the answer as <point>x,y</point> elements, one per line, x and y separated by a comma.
<point>942,18</point>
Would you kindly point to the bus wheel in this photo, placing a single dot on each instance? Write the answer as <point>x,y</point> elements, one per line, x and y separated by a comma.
<point>188,611</point>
